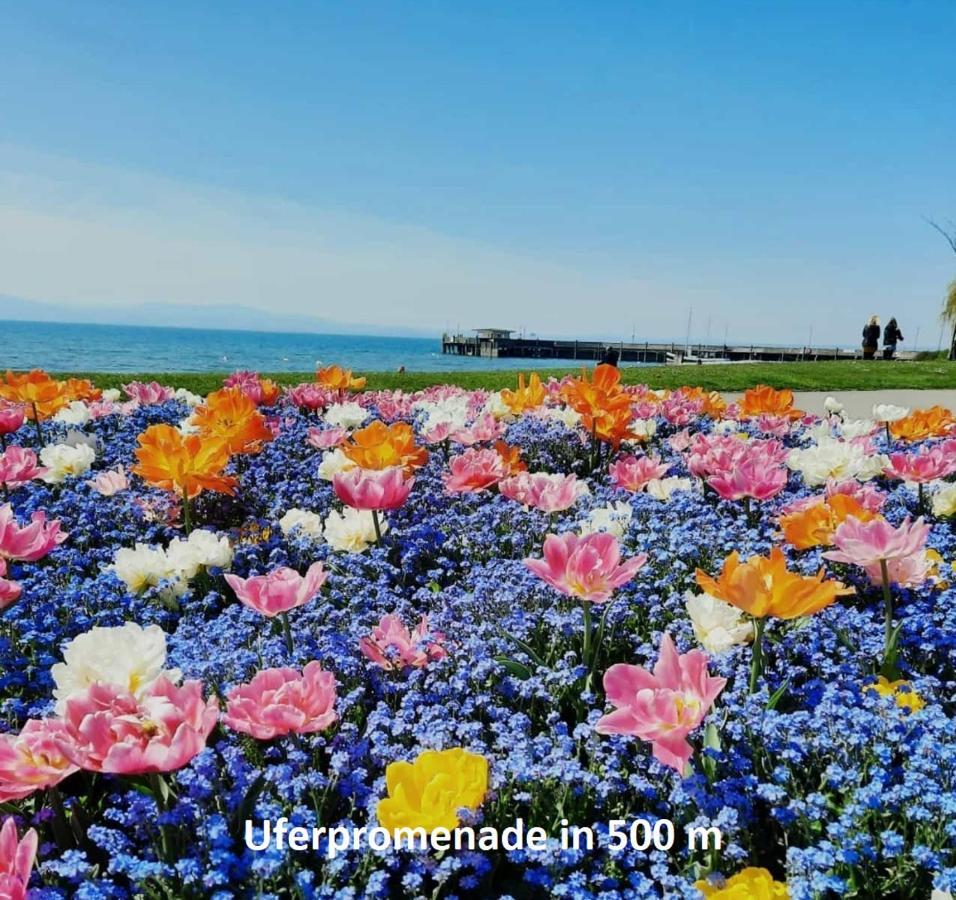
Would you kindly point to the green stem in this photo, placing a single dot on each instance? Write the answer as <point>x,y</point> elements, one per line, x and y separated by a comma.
<point>921,503</point>
<point>756,659</point>
<point>187,518</point>
<point>598,642</point>
<point>889,440</point>
<point>378,527</point>
<point>39,425</point>
<point>287,632</point>
<point>586,650</point>
<point>889,651</point>
<point>160,791</point>
<point>61,829</point>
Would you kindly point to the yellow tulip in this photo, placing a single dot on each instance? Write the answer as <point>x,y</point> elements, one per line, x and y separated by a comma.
<point>429,792</point>
<point>748,884</point>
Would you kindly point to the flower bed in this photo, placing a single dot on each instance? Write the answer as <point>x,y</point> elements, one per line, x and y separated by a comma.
<point>646,615</point>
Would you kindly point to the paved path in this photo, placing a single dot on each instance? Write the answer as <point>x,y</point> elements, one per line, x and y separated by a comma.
<point>859,404</point>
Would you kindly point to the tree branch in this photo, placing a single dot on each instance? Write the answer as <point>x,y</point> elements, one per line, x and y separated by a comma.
<point>949,235</point>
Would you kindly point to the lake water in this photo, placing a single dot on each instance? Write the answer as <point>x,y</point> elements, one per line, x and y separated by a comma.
<point>122,348</point>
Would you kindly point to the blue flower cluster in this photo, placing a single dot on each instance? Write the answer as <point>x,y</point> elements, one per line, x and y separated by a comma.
<point>831,786</point>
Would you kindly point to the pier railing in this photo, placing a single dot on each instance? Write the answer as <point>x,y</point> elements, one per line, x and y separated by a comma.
<point>634,351</point>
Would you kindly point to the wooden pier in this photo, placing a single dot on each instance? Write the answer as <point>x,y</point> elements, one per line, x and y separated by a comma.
<point>498,343</point>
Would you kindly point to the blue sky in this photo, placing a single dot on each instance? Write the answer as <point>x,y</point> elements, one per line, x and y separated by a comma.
<point>566,168</point>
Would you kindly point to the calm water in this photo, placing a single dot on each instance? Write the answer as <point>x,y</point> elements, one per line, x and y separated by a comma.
<point>121,348</point>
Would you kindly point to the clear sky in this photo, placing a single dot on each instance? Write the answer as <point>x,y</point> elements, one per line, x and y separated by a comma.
<point>560,167</point>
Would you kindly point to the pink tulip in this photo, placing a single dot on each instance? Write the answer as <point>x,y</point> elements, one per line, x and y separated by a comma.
<point>390,405</point>
<point>283,701</point>
<point>662,707</point>
<point>18,466</point>
<point>32,760</point>
<point>549,493</point>
<point>310,396</point>
<point>368,489</point>
<point>251,385</point>
<point>108,730</point>
<point>101,408</point>
<point>16,860</point>
<point>326,438</point>
<point>716,454</point>
<point>9,590</point>
<point>31,542</point>
<point>866,544</point>
<point>587,567</point>
<point>11,416</point>
<point>486,428</point>
<point>474,470</point>
<point>148,394</point>
<point>921,467</point>
<point>750,477</point>
<point>680,410</point>
<point>868,496</point>
<point>441,432</point>
<point>907,571</point>
<point>392,646</point>
<point>633,473</point>
<point>778,426</point>
<point>110,483</point>
<point>679,442</point>
<point>279,591</point>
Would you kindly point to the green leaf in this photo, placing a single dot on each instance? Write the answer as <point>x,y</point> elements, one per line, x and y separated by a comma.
<point>513,667</point>
<point>777,695</point>
<point>526,647</point>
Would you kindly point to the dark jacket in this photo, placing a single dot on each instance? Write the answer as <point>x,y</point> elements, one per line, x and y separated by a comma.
<point>871,335</point>
<point>892,334</point>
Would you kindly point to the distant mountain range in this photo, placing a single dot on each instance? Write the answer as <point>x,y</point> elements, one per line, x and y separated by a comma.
<point>171,315</point>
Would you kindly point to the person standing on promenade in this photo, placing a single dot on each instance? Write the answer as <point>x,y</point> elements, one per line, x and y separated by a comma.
<point>871,337</point>
<point>891,337</point>
<point>610,357</point>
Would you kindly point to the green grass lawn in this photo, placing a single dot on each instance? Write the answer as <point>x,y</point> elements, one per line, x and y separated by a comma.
<point>807,376</point>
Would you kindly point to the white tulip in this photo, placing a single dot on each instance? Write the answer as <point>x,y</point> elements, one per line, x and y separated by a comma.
<point>128,655</point>
<point>333,462</point>
<point>302,522</point>
<point>717,625</point>
<point>887,412</point>
<point>662,488</point>
<point>944,499</point>
<point>613,519</point>
<point>74,413</point>
<point>351,530</point>
<point>65,461</point>
<point>346,415</point>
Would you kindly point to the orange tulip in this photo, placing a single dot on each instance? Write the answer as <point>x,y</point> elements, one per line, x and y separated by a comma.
<point>815,525</point>
<point>42,395</point>
<point>186,465</point>
<point>524,398</point>
<point>81,389</point>
<point>714,405</point>
<point>762,400</point>
<point>270,391</point>
<point>381,446</point>
<point>339,379</point>
<point>923,423</point>
<point>764,586</point>
<point>229,416</point>
<point>604,406</point>
<point>511,457</point>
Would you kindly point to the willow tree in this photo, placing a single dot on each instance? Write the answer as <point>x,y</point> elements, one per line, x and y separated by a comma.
<point>948,312</point>
<point>948,315</point>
